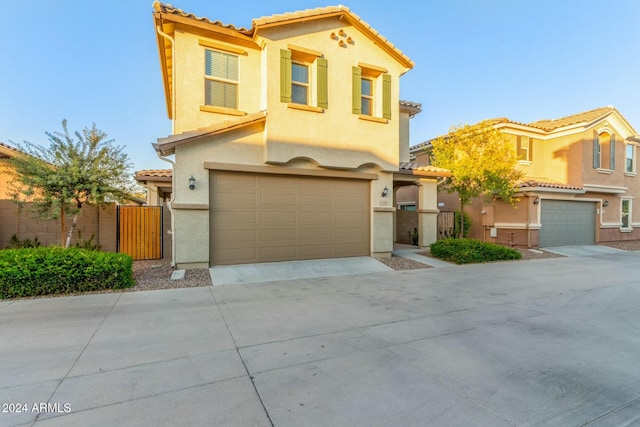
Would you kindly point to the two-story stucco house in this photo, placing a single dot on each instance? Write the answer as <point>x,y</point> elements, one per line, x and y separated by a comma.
<point>287,137</point>
<point>581,184</point>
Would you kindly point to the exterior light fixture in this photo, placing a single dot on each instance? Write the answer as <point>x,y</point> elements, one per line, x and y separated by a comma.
<point>385,191</point>
<point>536,200</point>
<point>605,203</point>
<point>192,183</point>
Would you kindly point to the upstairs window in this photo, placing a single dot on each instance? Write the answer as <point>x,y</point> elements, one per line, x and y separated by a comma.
<point>630,158</point>
<point>221,79</point>
<point>303,78</point>
<point>525,148</point>
<point>299,83</point>
<point>371,92</point>
<point>604,150</point>
<point>366,96</point>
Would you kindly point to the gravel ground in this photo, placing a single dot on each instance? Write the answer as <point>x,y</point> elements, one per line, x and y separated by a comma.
<point>631,245</point>
<point>156,274</point>
<point>401,263</point>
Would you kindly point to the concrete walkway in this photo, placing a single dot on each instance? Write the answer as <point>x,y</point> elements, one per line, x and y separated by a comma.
<point>584,250</point>
<point>544,342</point>
<point>290,270</point>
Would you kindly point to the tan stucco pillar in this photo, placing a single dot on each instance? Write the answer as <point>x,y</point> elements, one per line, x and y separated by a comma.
<point>427,211</point>
<point>382,244</point>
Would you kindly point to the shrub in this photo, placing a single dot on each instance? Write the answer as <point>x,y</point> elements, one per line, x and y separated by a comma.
<point>55,270</point>
<point>16,243</point>
<point>465,251</point>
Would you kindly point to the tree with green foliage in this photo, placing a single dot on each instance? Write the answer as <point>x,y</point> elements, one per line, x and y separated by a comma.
<point>482,162</point>
<point>60,179</point>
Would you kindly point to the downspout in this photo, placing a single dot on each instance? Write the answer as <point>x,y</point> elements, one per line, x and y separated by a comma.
<point>170,205</point>
<point>173,165</point>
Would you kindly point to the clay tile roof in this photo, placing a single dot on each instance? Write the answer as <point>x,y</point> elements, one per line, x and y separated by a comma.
<point>420,169</point>
<point>529,182</point>
<point>7,151</point>
<point>411,107</point>
<point>328,11</point>
<point>154,173</point>
<point>169,9</point>
<point>585,117</point>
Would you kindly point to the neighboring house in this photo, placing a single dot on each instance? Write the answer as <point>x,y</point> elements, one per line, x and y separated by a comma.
<point>581,184</point>
<point>287,137</point>
<point>158,183</point>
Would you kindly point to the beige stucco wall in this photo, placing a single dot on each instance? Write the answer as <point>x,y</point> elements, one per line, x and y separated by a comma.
<point>189,71</point>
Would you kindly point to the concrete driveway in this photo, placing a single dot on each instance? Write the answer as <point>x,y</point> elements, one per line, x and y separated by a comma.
<point>547,342</point>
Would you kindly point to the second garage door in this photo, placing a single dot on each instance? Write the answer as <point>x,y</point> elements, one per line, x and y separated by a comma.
<point>263,217</point>
<point>567,223</point>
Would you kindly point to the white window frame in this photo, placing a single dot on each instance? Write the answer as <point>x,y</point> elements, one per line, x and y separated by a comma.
<point>306,85</point>
<point>371,98</point>
<point>208,77</point>
<point>633,159</point>
<point>522,144</point>
<point>629,226</point>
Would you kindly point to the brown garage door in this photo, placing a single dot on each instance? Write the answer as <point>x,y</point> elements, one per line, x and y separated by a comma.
<point>263,217</point>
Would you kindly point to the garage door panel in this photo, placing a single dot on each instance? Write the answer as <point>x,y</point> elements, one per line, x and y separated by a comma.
<point>316,251</point>
<point>289,235</point>
<point>310,201</point>
<point>567,223</point>
<point>237,199</point>
<point>290,218</point>
<point>315,217</point>
<point>349,217</point>
<point>316,186</point>
<point>236,219</point>
<point>237,255</point>
<point>241,184</point>
<point>276,184</point>
<point>278,253</point>
<point>231,236</point>
<point>277,217</point>
<point>280,200</point>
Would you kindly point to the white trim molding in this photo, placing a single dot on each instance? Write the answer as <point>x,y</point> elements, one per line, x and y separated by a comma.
<point>605,189</point>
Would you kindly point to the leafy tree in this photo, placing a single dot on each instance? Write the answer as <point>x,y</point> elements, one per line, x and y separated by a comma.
<point>60,179</point>
<point>482,162</point>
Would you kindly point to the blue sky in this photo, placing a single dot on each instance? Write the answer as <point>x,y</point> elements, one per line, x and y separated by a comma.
<point>96,61</point>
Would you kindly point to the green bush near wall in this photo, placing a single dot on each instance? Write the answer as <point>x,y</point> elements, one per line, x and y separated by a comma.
<point>465,251</point>
<point>55,270</point>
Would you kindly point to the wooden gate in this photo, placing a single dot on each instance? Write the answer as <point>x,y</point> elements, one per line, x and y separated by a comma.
<point>445,225</point>
<point>139,231</point>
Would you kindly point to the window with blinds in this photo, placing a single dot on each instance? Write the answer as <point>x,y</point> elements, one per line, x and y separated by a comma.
<point>221,79</point>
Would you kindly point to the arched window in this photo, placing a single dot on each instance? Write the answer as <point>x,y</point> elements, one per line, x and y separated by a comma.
<point>604,150</point>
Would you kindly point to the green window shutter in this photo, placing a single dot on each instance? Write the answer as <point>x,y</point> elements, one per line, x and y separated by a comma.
<point>386,96</point>
<point>285,75</point>
<point>521,153</point>
<point>357,90</point>
<point>596,150</point>
<point>612,152</point>
<point>530,150</point>
<point>323,95</point>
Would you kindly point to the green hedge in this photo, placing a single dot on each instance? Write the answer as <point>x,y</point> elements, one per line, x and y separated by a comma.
<point>465,251</point>
<point>55,270</point>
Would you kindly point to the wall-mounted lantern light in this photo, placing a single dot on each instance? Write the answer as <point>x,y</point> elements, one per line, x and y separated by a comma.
<point>605,203</point>
<point>536,200</point>
<point>192,183</point>
<point>385,191</point>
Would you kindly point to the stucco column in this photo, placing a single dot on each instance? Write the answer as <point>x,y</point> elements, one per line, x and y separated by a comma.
<point>427,211</point>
